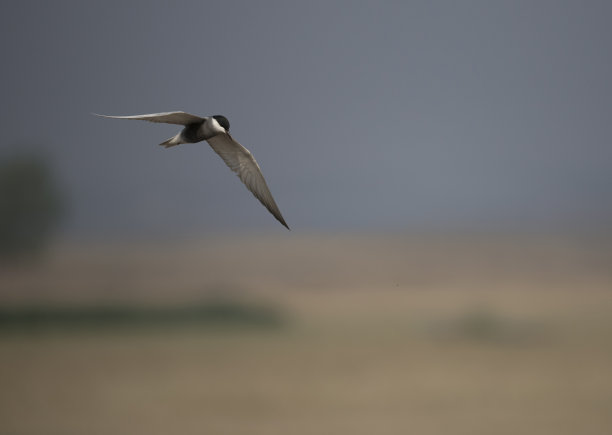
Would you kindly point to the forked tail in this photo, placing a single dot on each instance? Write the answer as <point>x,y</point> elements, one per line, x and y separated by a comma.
<point>173,141</point>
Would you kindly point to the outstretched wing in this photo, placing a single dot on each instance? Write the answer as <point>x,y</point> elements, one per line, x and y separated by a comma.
<point>241,161</point>
<point>179,118</point>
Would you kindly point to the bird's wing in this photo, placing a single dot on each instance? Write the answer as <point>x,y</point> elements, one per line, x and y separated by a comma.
<point>179,118</point>
<point>241,161</point>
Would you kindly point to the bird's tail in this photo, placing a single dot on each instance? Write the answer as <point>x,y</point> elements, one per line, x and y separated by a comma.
<point>173,141</point>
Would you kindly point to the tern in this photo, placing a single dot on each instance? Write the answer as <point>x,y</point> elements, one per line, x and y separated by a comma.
<point>215,131</point>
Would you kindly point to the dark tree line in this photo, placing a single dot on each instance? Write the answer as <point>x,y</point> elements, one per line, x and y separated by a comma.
<point>30,206</point>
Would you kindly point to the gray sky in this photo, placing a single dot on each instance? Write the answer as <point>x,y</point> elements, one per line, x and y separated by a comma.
<point>362,115</point>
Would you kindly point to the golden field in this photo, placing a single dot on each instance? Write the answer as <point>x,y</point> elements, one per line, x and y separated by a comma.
<point>384,334</point>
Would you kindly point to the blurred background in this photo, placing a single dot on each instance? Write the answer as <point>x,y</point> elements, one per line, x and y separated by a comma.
<point>444,167</point>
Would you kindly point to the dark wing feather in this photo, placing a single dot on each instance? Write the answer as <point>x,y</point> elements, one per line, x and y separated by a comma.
<point>241,161</point>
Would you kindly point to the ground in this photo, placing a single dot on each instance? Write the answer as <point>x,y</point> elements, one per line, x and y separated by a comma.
<point>385,334</point>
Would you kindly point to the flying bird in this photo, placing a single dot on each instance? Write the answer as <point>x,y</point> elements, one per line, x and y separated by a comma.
<point>215,131</point>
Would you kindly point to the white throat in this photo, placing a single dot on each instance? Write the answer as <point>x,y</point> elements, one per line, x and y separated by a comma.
<point>211,128</point>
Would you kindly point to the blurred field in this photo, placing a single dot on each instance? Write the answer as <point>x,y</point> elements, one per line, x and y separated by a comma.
<point>387,334</point>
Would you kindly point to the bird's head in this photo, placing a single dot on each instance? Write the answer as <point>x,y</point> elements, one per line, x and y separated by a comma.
<point>223,122</point>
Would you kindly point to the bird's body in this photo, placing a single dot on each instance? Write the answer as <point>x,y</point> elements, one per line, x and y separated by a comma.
<point>194,132</point>
<point>215,130</point>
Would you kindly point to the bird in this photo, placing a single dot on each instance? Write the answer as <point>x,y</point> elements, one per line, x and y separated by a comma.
<point>215,130</point>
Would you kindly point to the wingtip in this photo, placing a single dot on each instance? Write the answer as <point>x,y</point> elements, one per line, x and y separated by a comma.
<point>282,221</point>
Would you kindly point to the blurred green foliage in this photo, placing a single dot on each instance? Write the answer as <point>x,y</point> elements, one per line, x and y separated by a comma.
<point>485,325</point>
<point>30,206</point>
<point>224,313</point>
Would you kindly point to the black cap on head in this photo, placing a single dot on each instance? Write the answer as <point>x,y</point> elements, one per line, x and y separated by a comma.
<point>223,122</point>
